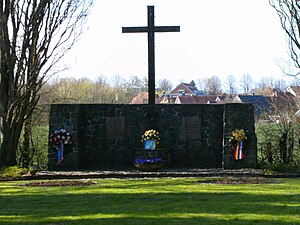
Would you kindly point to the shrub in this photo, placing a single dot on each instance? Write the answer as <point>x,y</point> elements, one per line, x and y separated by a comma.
<point>277,145</point>
<point>38,148</point>
<point>12,172</point>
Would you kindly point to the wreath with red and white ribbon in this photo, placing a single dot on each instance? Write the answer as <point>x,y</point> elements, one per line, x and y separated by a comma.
<point>59,138</point>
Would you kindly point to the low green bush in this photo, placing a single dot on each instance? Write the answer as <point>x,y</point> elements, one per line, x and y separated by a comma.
<point>280,167</point>
<point>12,172</point>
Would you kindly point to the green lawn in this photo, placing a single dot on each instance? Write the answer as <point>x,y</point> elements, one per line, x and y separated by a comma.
<point>152,201</point>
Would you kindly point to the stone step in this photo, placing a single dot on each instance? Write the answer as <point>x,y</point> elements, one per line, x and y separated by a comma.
<point>122,174</point>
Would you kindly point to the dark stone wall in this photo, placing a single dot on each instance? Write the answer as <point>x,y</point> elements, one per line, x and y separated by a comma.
<point>65,116</point>
<point>240,116</point>
<point>105,136</point>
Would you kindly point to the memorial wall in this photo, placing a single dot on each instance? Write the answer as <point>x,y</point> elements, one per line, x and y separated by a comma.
<point>105,136</point>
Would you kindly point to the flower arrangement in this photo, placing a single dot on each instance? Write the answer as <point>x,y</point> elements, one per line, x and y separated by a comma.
<point>237,138</point>
<point>151,135</point>
<point>150,138</point>
<point>59,138</point>
<point>238,135</point>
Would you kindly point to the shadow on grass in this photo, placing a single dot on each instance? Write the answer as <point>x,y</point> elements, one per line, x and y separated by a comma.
<point>54,208</point>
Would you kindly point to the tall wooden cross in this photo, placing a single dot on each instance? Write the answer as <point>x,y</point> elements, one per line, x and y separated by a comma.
<point>151,29</point>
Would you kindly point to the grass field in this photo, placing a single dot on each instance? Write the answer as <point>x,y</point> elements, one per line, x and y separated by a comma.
<point>152,201</point>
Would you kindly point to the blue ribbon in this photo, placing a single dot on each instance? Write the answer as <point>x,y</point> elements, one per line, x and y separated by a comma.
<point>60,154</point>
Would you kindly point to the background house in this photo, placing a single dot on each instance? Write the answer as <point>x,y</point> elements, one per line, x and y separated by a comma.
<point>142,98</point>
<point>186,89</point>
<point>205,99</point>
<point>261,103</point>
<point>284,100</point>
<point>294,90</point>
<point>166,99</point>
<point>225,98</point>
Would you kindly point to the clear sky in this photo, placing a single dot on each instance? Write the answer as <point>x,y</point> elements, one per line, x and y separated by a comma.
<point>217,38</point>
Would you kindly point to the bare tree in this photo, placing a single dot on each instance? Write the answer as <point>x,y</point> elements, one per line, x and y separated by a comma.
<point>296,82</point>
<point>201,83</point>
<point>231,84</point>
<point>281,84</point>
<point>266,82</point>
<point>263,83</point>
<point>164,85</point>
<point>246,83</point>
<point>213,86</point>
<point>34,36</point>
<point>289,15</point>
<point>136,82</point>
<point>117,81</point>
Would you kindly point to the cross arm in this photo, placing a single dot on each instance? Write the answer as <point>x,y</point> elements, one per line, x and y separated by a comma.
<point>147,29</point>
<point>134,29</point>
<point>167,29</point>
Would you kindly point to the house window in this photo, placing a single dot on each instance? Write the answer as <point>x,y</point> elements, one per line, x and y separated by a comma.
<point>181,92</point>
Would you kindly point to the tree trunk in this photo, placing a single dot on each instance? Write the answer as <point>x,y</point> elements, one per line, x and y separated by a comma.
<point>290,148</point>
<point>10,144</point>
<point>269,152</point>
<point>283,147</point>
